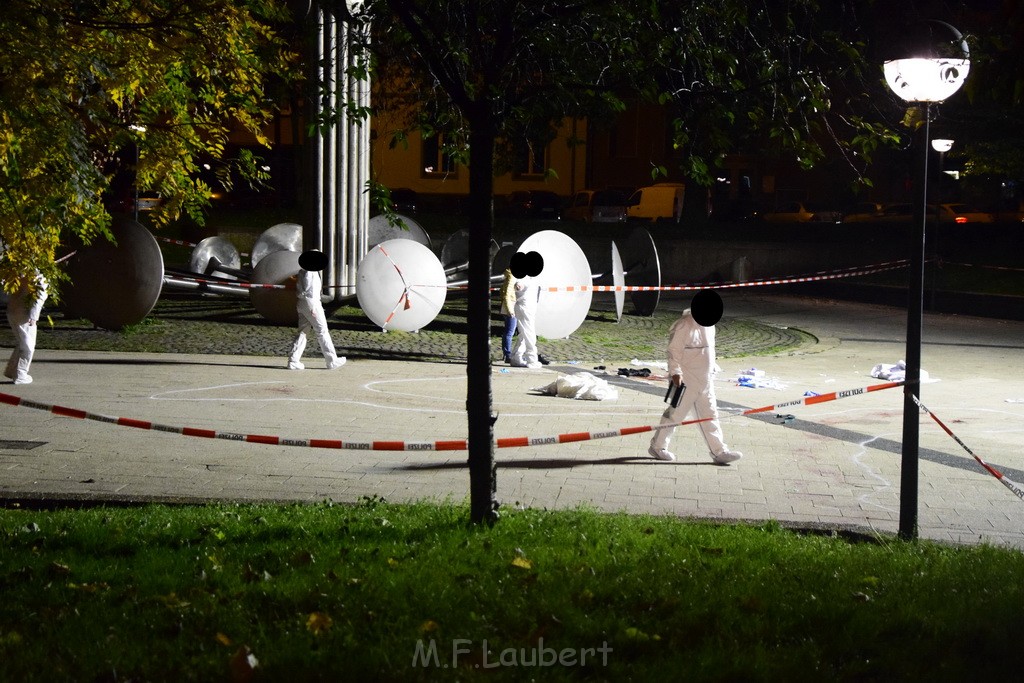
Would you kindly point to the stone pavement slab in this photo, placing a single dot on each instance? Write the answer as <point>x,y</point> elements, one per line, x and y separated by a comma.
<point>835,464</point>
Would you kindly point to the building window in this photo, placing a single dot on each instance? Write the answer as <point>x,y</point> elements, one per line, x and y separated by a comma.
<point>531,160</point>
<point>436,162</point>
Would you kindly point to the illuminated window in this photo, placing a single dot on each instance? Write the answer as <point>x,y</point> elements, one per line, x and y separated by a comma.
<point>436,162</point>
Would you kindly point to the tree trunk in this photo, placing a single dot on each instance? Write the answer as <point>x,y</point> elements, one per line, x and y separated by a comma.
<point>482,468</point>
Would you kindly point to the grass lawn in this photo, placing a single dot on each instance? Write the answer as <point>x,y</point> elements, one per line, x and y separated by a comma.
<point>413,592</point>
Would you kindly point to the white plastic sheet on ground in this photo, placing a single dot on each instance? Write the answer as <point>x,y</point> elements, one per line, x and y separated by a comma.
<point>753,378</point>
<point>895,372</point>
<point>582,386</point>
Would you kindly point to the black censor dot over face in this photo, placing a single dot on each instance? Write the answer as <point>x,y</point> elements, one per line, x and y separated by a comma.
<point>529,264</point>
<point>706,308</point>
<point>312,260</point>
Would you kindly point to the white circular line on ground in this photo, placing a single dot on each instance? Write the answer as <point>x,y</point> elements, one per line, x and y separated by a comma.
<point>166,396</point>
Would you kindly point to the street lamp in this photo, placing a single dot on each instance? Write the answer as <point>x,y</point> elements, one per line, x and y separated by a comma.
<point>935,67</point>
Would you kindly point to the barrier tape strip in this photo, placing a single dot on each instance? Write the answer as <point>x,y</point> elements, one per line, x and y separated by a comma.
<point>980,265</point>
<point>813,277</point>
<point>183,243</point>
<point>222,283</point>
<point>444,445</point>
<point>180,243</point>
<point>1017,489</point>
<point>404,297</point>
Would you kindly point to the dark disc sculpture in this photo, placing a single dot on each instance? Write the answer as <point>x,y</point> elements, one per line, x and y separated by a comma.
<point>116,284</point>
<point>642,269</point>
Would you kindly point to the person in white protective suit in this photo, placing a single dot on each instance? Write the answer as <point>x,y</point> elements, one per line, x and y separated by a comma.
<point>312,319</point>
<point>691,362</point>
<point>23,311</point>
<point>525,267</point>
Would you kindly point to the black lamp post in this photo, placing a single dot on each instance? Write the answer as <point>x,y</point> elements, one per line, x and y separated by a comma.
<point>934,69</point>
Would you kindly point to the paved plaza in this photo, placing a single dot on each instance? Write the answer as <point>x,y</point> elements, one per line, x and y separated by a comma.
<point>834,464</point>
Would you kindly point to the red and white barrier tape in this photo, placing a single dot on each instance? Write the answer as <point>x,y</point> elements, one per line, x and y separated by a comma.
<point>981,265</point>
<point>1018,489</point>
<point>223,283</point>
<point>814,277</point>
<point>445,445</point>
<point>404,297</point>
<point>180,243</point>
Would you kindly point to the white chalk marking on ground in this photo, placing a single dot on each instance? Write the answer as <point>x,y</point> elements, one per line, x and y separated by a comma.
<point>166,396</point>
<point>158,396</point>
<point>872,473</point>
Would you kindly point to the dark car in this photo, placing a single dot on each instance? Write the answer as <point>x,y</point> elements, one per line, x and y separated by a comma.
<point>404,200</point>
<point>597,206</point>
<point>801,212</point>
<point>534,204</point>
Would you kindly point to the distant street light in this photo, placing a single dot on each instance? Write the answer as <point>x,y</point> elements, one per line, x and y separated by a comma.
<point>141,130</point>
<point>935,66</point>
<point>941,146</point>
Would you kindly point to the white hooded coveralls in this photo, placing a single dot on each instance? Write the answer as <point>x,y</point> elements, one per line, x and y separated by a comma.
<point>311,317</point>
<point>23,317</point>
<point>527,296</point>
<point>691,353</point>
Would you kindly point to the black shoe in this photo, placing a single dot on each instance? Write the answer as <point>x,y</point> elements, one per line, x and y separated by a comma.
<point>508,359</point>
<point>543,360</point>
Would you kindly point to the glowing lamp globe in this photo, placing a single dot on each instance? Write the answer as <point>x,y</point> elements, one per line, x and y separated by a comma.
<point>935,67</point>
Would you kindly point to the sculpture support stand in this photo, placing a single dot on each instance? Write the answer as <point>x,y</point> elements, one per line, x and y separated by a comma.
<point>337,207</point>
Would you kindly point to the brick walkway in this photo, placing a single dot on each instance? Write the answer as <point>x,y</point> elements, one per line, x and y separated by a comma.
<point>835,465</point>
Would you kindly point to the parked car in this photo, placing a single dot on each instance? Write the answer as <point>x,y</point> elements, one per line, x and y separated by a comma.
<point>961,213</point>
<point>946,213</point>
<point>863,212</point>
<point>661,201</point>
<point>534,204</point>
<point>896,213</point>
<point>596,206</point>
<point>802,212</point>
<point>404,200</point>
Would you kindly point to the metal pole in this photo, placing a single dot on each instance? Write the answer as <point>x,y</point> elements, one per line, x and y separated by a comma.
<point>912,388</point>
<point>135,209</point>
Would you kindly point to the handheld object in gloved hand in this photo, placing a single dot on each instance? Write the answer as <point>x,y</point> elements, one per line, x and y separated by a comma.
<point>677,395</point>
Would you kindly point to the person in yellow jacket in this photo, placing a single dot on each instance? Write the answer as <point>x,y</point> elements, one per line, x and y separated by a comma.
<point>508,312</point>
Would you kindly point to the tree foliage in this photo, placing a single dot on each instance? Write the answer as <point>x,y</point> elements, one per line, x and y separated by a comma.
<point>84,84</point>
<point>988,120</point>
<point>735,76</point>
<point>487,76</point>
